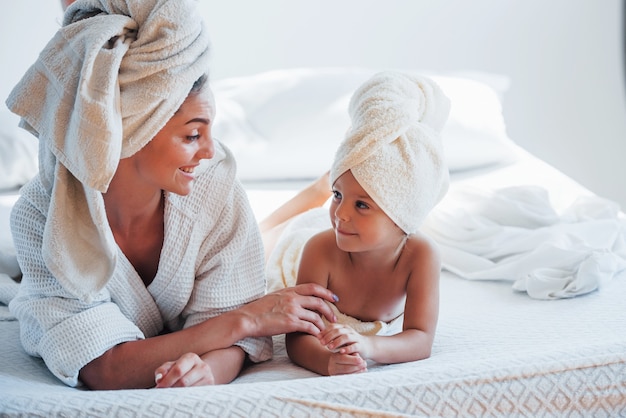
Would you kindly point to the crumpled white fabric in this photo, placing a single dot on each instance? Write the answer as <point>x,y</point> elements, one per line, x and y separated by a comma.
<point>515,234</point>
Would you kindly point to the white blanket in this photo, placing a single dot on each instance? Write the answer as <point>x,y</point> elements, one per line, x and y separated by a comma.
<point>515,234</point>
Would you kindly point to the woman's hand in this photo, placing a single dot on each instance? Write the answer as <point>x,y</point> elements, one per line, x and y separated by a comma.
<point>343,339</point>
<point>188,370</point>
<point>346,364</point>
<point>293,309</point>
<point>212,368</point>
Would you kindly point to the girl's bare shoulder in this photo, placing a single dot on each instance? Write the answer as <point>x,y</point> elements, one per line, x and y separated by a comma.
<point>323,241</point>
<point>420,248</point>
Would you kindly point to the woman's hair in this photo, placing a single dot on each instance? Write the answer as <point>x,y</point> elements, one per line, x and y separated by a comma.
<point>199,84</point>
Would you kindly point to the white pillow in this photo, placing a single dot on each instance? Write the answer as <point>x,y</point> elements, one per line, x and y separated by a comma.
<point>18,152</point>
<point>287,124</point>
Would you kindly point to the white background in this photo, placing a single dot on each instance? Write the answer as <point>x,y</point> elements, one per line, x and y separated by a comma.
<point>563,59</point>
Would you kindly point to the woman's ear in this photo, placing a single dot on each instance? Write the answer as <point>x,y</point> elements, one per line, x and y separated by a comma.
<point>66,3</point>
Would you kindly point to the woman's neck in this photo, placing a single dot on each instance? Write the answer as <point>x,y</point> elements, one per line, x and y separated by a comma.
<point>129,203</point>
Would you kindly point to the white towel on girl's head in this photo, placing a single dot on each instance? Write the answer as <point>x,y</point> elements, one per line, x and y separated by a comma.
<point>107,82</point>
<point>394,147</point>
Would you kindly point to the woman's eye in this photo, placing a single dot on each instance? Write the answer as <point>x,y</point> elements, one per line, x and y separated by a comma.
<point>193,137</point>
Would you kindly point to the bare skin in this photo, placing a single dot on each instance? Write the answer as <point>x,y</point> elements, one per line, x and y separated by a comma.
<point>204,353</point>
<point>378,273</point>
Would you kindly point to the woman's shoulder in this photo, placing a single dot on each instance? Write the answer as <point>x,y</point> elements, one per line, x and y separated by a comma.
<point>33,194</point>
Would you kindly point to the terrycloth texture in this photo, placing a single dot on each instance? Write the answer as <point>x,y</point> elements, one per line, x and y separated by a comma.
<point>515,234</point>
<point>367,328</point>
<point>99,91</point>
<point>394,147</point>
<point>8,290</point>
<point>211,262</point>
<point>282,265</point>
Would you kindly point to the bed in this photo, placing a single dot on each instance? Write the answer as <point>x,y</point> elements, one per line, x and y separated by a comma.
<point>504,346</point>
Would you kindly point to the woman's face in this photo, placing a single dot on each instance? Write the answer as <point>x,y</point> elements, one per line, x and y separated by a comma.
<point>168,161</point>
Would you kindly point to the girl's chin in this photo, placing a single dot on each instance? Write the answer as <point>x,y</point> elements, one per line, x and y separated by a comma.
<point>344,245</point>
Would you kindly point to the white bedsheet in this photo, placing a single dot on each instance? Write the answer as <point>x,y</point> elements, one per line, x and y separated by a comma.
<point>497,352</point>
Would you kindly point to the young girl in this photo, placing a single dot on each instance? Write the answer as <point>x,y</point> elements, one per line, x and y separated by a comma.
<point>387,175</point>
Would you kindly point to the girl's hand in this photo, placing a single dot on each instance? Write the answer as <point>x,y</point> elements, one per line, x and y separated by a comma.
<point>346,364</point>
<point>293,309</point>
<point>188,370</point>
<point>342,339</point>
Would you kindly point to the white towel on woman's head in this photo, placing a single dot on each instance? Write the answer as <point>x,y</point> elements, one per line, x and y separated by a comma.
<point>106,83</point>
<point>394,148</point>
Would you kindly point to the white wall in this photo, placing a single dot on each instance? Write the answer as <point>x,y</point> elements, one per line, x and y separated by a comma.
<point>566,102</point>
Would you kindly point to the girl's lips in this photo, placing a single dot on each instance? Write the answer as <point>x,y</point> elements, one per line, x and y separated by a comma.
<point>343,232</point>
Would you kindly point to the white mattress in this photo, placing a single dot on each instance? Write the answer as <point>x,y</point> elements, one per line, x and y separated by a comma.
<point>496,353</point>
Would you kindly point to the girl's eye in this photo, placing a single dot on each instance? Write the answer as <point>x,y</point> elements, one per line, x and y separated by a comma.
<point>193,137</point>
<point>361,205</point>
<point>336,195</point>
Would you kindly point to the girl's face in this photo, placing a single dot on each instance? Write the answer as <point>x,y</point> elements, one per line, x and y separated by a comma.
<point>360,225</point>
<point>168,161</point>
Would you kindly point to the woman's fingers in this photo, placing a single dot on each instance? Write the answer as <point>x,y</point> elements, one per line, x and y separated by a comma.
<point>315,295</point>
<point>188,370</point>
<point>293,309</point>
<point>346,364</point>
<point>313,289</point>
<point>161,371</point>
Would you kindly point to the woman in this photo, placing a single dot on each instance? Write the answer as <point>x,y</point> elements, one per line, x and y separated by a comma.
<point>140,262</point>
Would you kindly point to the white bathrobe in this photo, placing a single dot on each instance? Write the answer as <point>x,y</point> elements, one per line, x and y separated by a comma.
<point>211,262</point>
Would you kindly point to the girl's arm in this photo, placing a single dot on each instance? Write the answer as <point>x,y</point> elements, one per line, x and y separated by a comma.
<point>303,349</point>
<point>306,351</point>
<point>420,313</point>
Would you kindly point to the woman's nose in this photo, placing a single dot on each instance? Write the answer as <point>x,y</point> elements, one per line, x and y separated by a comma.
<point>207,148</point>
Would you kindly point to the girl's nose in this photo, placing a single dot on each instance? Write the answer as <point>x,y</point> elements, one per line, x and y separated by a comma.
<point>341,212</point>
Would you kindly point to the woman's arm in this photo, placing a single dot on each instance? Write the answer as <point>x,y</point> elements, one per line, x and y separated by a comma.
<point>132,364</point>
<point>214,368</point>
